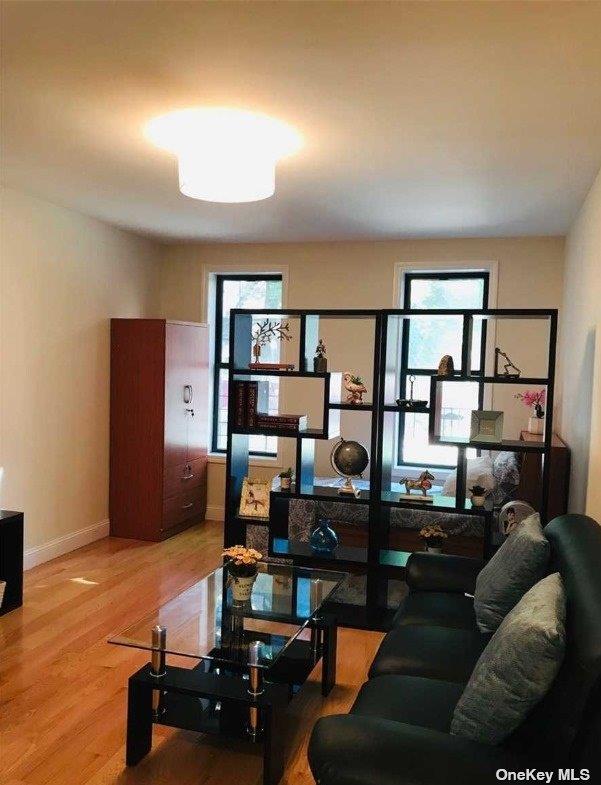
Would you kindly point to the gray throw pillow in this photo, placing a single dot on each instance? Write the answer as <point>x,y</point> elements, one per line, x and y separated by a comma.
<point>517,668</point>
<point>518,564</point>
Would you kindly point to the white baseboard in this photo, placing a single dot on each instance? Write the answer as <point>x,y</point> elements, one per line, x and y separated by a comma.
<point>61,545</point>
<point>215,513</point>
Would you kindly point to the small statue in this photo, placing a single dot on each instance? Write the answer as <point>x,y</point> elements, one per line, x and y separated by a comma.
<point>423,483</point>
<point>354,387</point>
<point>509,369</point>
<point>267,331</point>
<point>446,366</point>
<point>320,361</point>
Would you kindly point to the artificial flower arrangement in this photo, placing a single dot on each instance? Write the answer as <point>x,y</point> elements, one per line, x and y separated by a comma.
<point>241,562</point>
<point>533,399</point>
<point>433,535</point>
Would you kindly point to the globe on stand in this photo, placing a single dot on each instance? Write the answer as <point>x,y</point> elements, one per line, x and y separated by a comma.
<point>349,459</point>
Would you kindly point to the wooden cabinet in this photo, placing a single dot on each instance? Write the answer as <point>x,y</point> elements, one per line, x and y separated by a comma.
<point>159,427</point>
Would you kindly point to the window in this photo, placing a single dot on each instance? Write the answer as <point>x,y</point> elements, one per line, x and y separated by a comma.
<point>424,342</point>
<point>242,291</point>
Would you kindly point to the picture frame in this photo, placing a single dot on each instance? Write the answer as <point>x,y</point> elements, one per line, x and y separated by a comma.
<point>254,499</point>
<point>486,426</point>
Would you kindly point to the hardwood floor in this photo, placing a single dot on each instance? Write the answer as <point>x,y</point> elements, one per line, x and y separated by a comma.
<point>63,688</point>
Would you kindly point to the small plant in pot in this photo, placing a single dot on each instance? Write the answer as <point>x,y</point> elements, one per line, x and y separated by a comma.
<point>241,564</point>
<point>478,495</point>
<point>285,479</point>
<point>433,537</point>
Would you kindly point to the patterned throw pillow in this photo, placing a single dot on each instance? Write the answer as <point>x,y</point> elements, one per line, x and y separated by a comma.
<point>518,564</point>
<point>517,668</point>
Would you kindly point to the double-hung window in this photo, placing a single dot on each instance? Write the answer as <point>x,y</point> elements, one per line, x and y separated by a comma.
<point>241,291</point>
<point>424,341</point>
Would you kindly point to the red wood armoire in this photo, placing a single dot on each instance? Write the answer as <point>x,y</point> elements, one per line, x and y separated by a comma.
<point>159,429</point>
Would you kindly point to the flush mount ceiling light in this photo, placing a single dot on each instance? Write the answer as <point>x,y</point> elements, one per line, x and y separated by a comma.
<point>224,155</point>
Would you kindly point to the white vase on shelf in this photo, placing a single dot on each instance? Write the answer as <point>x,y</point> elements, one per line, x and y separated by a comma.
<point>535,425</point>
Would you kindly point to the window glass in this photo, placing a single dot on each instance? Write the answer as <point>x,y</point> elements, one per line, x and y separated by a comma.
<point>240,292</point>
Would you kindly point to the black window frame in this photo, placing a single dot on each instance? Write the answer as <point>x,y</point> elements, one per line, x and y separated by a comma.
<point>445,275</point>
<point>218,364</point>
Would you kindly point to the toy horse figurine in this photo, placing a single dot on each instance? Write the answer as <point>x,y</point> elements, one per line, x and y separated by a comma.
<point>423,483</point>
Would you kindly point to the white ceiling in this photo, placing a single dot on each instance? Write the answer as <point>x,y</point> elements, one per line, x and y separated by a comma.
<point>419,119</point>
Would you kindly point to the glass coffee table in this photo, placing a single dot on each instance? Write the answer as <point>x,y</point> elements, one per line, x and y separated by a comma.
<point>252,658</point>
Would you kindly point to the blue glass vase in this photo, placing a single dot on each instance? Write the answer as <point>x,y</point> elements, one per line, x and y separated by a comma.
<point>323,539</point>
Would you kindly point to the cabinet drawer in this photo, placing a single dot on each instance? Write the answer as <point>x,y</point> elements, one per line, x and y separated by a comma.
<point>177,509</point>
<point>184,477</point>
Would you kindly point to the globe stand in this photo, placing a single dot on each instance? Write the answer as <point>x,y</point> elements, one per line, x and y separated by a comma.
<point>348,489</point>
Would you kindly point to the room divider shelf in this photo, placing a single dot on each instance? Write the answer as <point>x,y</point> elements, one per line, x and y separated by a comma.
<point>300,552</point>
<point>540,381</point>
<point>378,561</point>
<point>352,407</point>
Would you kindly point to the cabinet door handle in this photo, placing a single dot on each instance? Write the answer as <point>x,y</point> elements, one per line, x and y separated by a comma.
<point>187,506</point>
<point>187,476</point>
<point>188,393</point>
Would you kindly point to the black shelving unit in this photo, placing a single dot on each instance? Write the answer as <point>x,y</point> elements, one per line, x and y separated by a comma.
<point>377,561</point>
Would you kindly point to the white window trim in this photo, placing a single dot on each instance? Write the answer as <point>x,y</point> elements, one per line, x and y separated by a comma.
<point>210,272</point>
<point>490,266</point>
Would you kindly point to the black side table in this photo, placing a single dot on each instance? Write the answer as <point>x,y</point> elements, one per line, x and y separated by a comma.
<point>11,559</point>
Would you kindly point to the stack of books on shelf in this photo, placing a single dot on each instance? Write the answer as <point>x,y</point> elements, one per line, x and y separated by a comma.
<point>251,402</point>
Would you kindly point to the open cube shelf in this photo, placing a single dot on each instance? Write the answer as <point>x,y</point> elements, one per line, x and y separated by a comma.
<point>378,560</point>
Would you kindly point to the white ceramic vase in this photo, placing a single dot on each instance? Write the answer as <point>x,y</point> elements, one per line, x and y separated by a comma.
<point>242,587</point>
<point>535,425</point>
<point>478,501</point>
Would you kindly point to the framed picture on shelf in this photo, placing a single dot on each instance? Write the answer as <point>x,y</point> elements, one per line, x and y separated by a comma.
<point>486,426</point>
<point>254,500</point>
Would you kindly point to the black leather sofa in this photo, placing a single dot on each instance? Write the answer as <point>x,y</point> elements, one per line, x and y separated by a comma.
<point>397,732</point>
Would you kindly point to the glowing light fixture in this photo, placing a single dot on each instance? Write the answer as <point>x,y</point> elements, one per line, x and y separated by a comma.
<point>224,155</point>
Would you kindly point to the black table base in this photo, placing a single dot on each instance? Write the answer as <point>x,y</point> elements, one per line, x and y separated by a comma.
<point>212,698</point>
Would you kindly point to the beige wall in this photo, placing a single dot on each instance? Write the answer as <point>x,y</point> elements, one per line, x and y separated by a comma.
<point>361,275</point>
<point>581,355</point>
<point>63,276</point>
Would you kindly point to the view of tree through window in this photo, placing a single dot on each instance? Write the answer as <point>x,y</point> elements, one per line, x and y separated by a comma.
<point>424,342</point>
<point>242,291</point>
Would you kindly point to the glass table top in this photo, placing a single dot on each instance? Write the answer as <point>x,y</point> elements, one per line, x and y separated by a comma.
<point>203,621</point>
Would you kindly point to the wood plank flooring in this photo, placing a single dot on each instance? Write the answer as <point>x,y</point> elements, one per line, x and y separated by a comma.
<point>63,688</point>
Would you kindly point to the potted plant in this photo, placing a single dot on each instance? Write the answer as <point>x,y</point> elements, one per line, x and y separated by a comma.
<point>433,537</point>
<point>478,495</point>
<point>534,399</point>
<point>241,564</point>
<point>285,479</point>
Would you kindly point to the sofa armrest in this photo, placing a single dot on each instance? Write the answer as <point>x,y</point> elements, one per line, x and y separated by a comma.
<point>442,572</point>
<point>359,750</point>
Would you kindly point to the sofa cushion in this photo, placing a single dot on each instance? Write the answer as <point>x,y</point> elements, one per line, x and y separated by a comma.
<point>436,608</point>
<point>517,668</point>
<point>428,703</point>
<point>433,652</point>
<point>518,564</point>
<point>355,750</point>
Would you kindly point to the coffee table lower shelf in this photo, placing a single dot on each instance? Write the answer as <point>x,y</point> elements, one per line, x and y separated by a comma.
<point>214,699</point>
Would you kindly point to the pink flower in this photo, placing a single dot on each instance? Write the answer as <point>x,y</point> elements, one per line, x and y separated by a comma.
<point>532,397</point>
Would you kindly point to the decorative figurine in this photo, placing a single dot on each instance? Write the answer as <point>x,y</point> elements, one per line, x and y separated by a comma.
<point>409,404</point>
<point>354,387</point>
<point>509,369</point>
<point>320,361</point>
<point>264,333</point>
<point>423,484</point>
<point>446,366</point>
